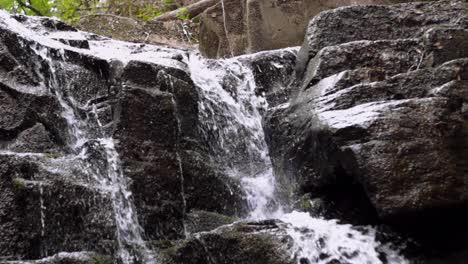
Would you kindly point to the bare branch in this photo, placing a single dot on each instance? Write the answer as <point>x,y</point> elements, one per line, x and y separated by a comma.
<point>192,10</point>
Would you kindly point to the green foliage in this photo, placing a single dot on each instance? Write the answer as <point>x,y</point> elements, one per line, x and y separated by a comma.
<point>100,260</point>
<point>72,10</point>
<point>148,12</point>
<point>51,155</point>
<point>183,14</point>
<point>7,4</point>
<point>68,9</point>
<point>18,184</point>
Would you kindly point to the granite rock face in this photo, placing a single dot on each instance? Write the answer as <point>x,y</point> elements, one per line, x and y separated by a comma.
<point>402,21</point>
<point>61,97</point>
<point>383,110</point>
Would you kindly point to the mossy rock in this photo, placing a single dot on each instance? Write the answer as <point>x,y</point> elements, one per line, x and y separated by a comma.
<point>199,221</point>
<point>240,243</point>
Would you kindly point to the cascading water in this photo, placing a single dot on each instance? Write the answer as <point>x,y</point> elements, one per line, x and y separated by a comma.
<point>232,113</point>
<point>87,136</point>
<point>132,247</point>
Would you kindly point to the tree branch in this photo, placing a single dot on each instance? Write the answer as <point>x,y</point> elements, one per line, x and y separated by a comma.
<point>192,10</point>
<point>30,7</point>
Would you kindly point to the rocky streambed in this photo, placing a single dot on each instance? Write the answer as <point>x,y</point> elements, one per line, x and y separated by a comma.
<point>351,149</point>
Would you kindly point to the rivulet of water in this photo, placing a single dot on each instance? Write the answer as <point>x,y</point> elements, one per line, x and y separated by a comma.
<point>50,66</point>
<point>231,111</point>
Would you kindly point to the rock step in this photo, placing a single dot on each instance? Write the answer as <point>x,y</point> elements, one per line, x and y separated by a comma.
<point>402,21</point>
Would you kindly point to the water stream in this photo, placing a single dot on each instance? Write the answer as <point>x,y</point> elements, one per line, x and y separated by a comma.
<point>231,116</point>
<point>86,136</point>
<point>232,113</point>
<point>132,247</point>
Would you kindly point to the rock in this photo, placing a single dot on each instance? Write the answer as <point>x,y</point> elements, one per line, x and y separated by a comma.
<point>21,112</point>
<point>389,56</point>
<point>240,243</point>
<point>70,258</point>
<point>44,213</point>
<point>372,118</point>
<point>207,187</point>
<point>445,44</point>
<point>200,221</point>
<point>251,25</point>
<point>370,123</point>
<point>273,72</point>
<point>34,139</point>
<point>158,129</point>
<point>376,123</point>
<point>402,21</point>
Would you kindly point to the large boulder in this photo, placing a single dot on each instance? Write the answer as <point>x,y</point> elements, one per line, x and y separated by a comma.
<point>391,121</point>
<point>388,22</point>
<point>248,243</point>
<point>247,26</point>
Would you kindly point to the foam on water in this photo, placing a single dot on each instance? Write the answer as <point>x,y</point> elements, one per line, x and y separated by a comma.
<point>232,112</point>
<point>132,247</point>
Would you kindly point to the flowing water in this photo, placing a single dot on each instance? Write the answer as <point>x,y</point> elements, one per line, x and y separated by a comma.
<point>132,247</point>
<point>86,136</point>
<point>232,113</point>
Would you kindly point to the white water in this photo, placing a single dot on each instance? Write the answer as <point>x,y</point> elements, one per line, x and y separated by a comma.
<point>132,247</point>
<point>129,232</point>
<point>233,114</point>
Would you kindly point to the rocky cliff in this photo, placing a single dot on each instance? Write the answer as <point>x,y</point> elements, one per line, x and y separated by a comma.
<point>113,152</point>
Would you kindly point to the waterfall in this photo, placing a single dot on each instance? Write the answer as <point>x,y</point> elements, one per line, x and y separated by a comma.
<point>231,118</point>
<point>231,112</point>
<point>132,247</point>
<point>86,136</point>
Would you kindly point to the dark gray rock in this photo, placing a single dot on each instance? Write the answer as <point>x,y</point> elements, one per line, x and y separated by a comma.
<point>392,121</point>
<point>208,188</point>
<point>243,243</point>
<point>389,56</point>
<point>200,221</point>
<point>445,44</point>
<point>147,132</point>
<point>43,213</point>
<point>400,21</point>
<point>34,139</point>
<point>21,111</point>
<point>273,72</point>
<point>70,258</point>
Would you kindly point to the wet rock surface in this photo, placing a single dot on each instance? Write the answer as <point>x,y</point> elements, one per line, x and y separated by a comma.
<point>390,120</point>
<point>402,21</point>
<point>369,139</point>
<point>263,242</point>
<point>53,199</point>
